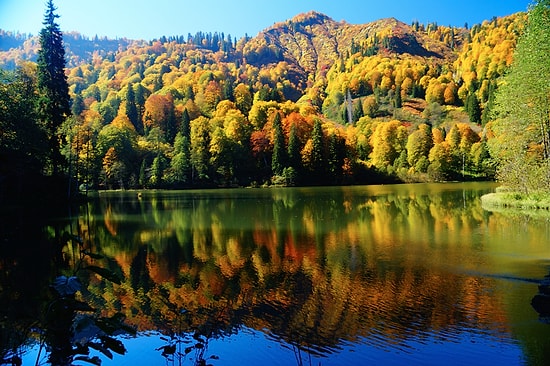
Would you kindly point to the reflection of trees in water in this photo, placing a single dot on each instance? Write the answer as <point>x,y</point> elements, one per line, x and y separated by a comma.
<point>312,268</point>
<point>40,307</point>
<point>25,267</point>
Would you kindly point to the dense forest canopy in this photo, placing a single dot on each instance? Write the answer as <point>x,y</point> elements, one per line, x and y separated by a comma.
<point>307,101</point>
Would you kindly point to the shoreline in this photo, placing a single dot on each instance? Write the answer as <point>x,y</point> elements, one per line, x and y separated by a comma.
<point>515,202</point>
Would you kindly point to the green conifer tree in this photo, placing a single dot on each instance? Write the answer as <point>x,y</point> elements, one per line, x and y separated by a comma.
<point>132,110</point>
<point>318,152</point>
<point>279,154</point>
<point>52,83</point>
<point>473,108</point>
<point>294,157</point>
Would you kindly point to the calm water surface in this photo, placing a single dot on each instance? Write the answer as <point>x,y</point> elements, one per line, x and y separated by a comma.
<point>398,274</point>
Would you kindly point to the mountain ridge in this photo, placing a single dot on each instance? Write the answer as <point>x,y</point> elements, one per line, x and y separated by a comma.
<point>318,39</point>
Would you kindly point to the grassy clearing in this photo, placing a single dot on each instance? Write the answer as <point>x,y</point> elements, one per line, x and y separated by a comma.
<point>503,199</point>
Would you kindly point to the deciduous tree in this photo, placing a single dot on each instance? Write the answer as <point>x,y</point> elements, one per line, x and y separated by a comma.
<point>522,131</point>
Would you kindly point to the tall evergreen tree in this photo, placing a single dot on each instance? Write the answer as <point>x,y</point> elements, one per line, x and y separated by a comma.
<point>185,125</point>
<point>397,101</point>
<point>139,98</point>
<point>52,83</point>
<point>358,110</point>
<point>473,108</point>
<point>294,156</point>
<point>318,152</point>
<point>132,110</point>
<point>78,105</point>
<point>279,158</point>
<point>335,159</point>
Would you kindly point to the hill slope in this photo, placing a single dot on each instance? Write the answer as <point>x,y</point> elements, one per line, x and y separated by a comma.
<point>201,110</point>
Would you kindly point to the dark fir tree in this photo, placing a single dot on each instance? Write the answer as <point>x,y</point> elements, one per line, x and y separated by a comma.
<point>52,83</point>
<point>278,159</point>
<point>473,108</point>
<point>336,155</point>
<point>487,111</point>
<point>358,111</point>
<point>185,126</point>
<point>77,106</point>
<point>294,156</point>
<point>184,147</point>
<point>318,153</point>
<point>140,97</point>
<point>397,101</point>
<point>132,109</point>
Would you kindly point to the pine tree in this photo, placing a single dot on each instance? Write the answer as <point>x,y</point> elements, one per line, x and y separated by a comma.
<point>278,159</point>
<point>358,111</point>
<point>294,157</point>
<point>131,109</point>
<point>182,147</point>
<point>185,125</point>
<point>397,101</point>
<point>140,98</point>
<point>336,155</point>
<point>78,105</point>
<point>473,108</point>
<point>52,83</point>
<point>318,151</point>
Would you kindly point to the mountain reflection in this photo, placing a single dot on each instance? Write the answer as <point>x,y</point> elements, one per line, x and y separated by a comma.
<point>314,267</point>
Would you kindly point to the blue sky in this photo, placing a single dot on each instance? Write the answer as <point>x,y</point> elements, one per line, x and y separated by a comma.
<point>148,19</point>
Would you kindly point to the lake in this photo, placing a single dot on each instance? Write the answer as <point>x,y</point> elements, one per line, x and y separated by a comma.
<point>390,274</point>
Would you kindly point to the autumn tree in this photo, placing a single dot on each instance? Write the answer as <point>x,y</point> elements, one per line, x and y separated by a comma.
<point>419,144</point>
<point>117,144</point>
<point>243,98</point>
<point>440,159</point>
<point>220,156</point>
<point>88,156</point>
<point>386,144</point>
<point>52,83</point>
<point>237,132</point>
<point>159,112</point>
<point>200,148</point>
<point>370,106</point>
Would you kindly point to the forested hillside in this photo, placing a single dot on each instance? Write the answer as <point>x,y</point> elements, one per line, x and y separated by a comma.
<point>15,47</point>
<point>307,101</point>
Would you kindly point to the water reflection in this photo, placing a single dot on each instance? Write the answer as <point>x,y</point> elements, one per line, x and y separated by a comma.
<point>321,271</point>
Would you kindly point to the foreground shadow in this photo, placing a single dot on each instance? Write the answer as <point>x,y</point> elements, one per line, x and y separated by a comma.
<point>541,301</point>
